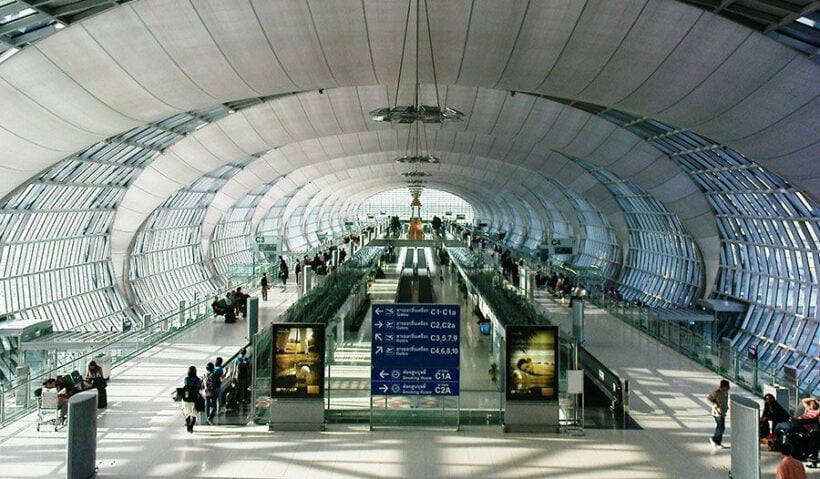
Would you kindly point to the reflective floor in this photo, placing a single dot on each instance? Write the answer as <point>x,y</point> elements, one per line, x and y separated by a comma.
<point>141,433</point>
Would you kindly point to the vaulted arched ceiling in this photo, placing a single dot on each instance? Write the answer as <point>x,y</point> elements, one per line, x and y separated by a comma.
<point>149,59</point>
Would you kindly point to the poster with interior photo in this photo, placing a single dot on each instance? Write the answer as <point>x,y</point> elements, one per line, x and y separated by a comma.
<point>532,362</point>
<point>298,360</point>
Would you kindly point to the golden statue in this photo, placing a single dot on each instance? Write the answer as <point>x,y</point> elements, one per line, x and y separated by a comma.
<point>416,231</point>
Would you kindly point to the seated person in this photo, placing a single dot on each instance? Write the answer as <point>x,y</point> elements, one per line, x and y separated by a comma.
<point>239,300</point>
<point>773,414</point>
<point>808,421</point>
<point>219,306</point>
<point>65,391</point>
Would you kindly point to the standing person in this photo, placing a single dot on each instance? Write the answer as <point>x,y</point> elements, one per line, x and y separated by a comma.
<point>191,385</point>
<point>212,383</point>
<point>96,379</point>
<point>242,373</point>
<point>283,271</point>
<point>298,270</point>
<point>263,283</point>
<point>719,400</point>
<point>789,467</point>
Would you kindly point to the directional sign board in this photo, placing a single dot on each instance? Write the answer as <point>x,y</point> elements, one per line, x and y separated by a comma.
<point>268,244</point>
<point>415,350</point>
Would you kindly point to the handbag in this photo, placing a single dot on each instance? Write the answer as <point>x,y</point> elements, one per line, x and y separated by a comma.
<point>178,394</point>
<point>199,405</point>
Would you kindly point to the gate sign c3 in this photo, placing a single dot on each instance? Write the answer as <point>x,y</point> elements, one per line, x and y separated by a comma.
<point>267,244</point>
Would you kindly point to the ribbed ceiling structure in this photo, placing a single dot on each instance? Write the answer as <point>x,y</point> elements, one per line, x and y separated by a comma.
<point>171,132</point>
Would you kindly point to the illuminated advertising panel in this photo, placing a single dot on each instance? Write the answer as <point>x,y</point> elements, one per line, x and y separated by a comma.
<point>298,360</point>
<point>532,362</point>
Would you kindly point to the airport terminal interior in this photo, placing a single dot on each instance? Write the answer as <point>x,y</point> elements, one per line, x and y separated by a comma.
<point>585,213</point>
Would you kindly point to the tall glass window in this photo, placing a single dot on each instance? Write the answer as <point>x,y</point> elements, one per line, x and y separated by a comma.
<point>446,206</point>
<point>662,268</point>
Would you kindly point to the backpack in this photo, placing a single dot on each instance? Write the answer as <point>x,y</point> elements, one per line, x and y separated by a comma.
<point>189,392</point>
<point>212,382</point>
<point>243,369</point>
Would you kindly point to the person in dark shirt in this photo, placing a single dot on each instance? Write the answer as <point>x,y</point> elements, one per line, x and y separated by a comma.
<point>773,414</point>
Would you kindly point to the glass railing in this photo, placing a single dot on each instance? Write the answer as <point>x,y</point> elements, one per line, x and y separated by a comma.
<point>721,358</point>
<point>17,396</point>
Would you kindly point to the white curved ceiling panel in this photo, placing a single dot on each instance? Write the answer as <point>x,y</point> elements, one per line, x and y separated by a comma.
<point>655,33</point>
<point>344,40</point>
<point>595,38</point>
<point>243,134</point>
<point>63,97</point>
<point>485,115</point>
<point>615,146</point>
<point>654,175</point>
<point>640,166</point>
<point>541,116</point>
<point>345,103</point>
<point>263,122</point>
<point>36,123</point>
<point>565,128</point>
<point>187,161</point>
<point>289,27</point>
<point>487,38</point>
<point>178,27</point>
<point>239,36</point>
<point>218,142</point>
<point>15,173</point>
<point>744,70</point>
<point>122,33</point>
<point>706,46</point>
<point>595,137</point>
<point>773,101</point>
<point>543,31</point>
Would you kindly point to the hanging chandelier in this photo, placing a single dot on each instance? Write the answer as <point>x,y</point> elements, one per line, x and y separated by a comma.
<point>417,111</point>
<point>417,114</point>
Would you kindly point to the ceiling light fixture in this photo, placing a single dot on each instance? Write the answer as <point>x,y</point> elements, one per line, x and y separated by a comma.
<point>417,112</point>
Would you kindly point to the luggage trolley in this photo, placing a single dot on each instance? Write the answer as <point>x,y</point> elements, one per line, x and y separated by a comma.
<point>48,408</point>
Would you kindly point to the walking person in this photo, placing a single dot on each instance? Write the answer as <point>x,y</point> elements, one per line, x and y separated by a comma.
<point>283,271</point>
<point>191,386</point>
<point>213,381</point>
<point>263,283</point>
<point>719,400</point>
<point>242,373</point>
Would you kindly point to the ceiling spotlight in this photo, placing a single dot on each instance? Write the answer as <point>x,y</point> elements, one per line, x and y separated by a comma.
<point>416,174</point>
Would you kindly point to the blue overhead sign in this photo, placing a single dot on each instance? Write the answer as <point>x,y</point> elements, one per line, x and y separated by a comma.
<point>415,349</point>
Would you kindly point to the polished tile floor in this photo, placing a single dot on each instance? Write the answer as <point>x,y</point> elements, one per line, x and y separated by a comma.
<point>141,434</point>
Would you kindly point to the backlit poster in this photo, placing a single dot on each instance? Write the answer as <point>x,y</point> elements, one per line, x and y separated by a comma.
<point>532,362</point>
<point>298,360</point>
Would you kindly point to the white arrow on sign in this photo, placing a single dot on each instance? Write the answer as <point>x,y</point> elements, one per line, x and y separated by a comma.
<point>384,388</point>
<point>383,373</point>
<point>378,325</point>
<point>379,349</point>
<point>377,337</point>
<point>378,311</point>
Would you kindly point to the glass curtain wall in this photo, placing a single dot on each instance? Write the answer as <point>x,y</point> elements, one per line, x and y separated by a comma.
<point>662,267</point>
<point>167,264</point>
<point>769,246</point>
<point>54,232</point>
<point>598,246</point>
<point>231,241</point>
<point>446,206</point>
